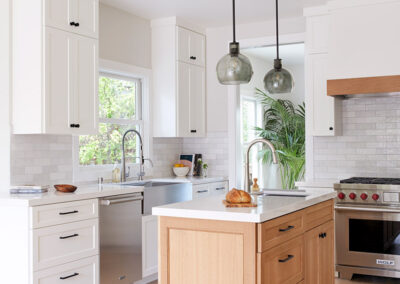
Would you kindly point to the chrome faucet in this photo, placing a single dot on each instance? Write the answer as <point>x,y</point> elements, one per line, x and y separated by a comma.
<point>141,158</point>
<point>247,180</point>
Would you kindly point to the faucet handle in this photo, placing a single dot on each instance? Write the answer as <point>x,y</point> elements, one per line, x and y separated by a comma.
<point>128,173</point>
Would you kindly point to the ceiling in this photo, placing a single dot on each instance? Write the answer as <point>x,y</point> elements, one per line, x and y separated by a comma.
<point>213,13</point>
<point>291,54</point>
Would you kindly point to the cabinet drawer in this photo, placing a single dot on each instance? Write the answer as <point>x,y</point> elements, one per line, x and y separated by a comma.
<point>64,243</point>
<point>84,271</point>
<point>318,214</point>
<point>282,264</point>
<point>201,190</point>
<point>277,231</point>
<point>219,187</point>
<point>61,213</point>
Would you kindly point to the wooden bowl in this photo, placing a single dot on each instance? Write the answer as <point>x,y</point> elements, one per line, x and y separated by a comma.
<point>65,187</point>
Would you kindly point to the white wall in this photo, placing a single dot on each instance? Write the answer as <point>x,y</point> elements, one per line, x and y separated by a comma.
<point>124,37</point>
<point>5,94</point>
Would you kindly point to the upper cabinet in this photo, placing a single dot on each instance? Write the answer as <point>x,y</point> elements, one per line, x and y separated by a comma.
<point>55,71</point>
<point>323,112</point>
<point>76,16</point>
<point>179,98</point>
<point>363,47</point>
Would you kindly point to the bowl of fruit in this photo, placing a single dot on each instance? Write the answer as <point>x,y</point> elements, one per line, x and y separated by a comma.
<point>180,170</point>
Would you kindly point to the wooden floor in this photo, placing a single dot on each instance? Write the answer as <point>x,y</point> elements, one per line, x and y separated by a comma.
<point>368,279</point>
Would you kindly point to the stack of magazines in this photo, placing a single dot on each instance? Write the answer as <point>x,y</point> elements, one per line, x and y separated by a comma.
<point>29,189</point>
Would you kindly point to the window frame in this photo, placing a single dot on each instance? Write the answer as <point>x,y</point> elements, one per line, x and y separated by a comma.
<point>112,69</point>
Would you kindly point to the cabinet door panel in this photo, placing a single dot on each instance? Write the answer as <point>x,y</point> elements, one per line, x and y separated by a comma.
<point>86,86</point>
<point>58,83</point>
<point>197,101</point>
<point>58,14</point>
<point>183,44</point>
<point>183,104</point>
<point>197,49</point>
<point>149,245</point>
<point>86,14</point>
<point>327,261</point>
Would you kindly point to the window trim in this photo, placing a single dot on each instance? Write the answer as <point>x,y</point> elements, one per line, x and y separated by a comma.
<point>127,72</point>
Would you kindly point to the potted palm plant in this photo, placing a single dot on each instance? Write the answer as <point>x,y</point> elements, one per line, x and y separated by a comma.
<point>284,126</point>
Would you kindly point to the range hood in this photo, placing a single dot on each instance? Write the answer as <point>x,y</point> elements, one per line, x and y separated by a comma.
<point>366,85</point>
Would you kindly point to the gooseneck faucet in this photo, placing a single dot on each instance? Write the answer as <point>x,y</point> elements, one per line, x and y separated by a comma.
<point>247,180</point>
<point>141,158</point>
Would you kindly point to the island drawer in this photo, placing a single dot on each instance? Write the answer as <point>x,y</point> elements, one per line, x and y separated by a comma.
<point>318,214</point>
<point>60,244</point>
<point>61,213</point>
<point>277,231</point>
<point>282,264</point>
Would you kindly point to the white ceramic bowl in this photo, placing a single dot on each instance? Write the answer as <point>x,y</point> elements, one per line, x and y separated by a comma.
<point>181,171</point>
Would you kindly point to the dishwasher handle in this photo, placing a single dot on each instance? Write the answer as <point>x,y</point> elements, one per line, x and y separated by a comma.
<point>108,202</point>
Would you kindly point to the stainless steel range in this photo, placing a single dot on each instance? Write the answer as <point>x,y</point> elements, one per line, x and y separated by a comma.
<point>368,227</point>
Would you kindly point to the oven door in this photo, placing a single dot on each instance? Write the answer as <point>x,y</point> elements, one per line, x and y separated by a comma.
<point>368,236</point>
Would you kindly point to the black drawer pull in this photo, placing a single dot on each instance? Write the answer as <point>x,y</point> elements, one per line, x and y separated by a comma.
<point>67,213</point>
<point>289,257</point>
<point>220,188</point>
<point>70,236</point>
<point>69,276</point>
<point>77,125</point>
<point>193,57</point>
<point>286,229</point>
<point>202,191</point>
<point>322,235</point>
<point>193,131</point>
<point>76,24</point>
<point>72,125</point>
<point>72,23</point>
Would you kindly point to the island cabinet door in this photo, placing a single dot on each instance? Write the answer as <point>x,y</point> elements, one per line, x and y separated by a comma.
<point>283,264</point>
<point>319,257</point>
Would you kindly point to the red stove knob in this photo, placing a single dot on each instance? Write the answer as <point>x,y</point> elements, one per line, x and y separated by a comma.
<point>375,196</point>
<point>352,195</point>
<point>364,196</point>
<point>341,195</point>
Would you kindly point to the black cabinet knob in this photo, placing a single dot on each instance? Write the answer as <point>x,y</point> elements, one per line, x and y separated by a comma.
<point>72,23</point>
<point>72,125</point>
<point>77,125</point>
<point>331,128</point>
<point>193,57</point>
<point>76,24</point>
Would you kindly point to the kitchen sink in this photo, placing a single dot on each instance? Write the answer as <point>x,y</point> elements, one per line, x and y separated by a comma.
<point>149,183</point>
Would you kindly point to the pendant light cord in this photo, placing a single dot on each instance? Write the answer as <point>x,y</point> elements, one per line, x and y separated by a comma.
<point>234,20</point>
<point>277,29</point>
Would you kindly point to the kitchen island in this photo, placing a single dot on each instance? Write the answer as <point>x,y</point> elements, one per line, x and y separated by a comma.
<point>285,239</point>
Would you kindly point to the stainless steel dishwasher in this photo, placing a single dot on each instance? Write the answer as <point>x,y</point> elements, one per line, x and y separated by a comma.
<point>121,238</point>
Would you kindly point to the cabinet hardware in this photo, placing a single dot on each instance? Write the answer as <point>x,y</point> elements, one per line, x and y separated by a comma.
<point>72,23</point>
<point>70,236</point>
<point>286,229</point>
<point>77,125</point>
<point>72,125</point>
<point>69,276</point>
<point>76,24</point>
<point>70,212</point>
<point>289,257</point>
<point>220,188</point>
<point>193,131</point>
<point>202,191</point>
<point>322,235</point>
<point>331,128</point>
<point>193,57</point>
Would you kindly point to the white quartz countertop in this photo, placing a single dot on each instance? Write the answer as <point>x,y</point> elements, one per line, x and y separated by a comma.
<point>269,207</point>
<point>53,196</point>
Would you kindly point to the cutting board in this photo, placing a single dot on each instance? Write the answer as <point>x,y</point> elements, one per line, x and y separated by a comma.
<point>238,205</point>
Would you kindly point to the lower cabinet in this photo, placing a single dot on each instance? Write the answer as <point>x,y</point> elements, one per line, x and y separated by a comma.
<point>319,245</point>
<point>149,245</point>
<point>207,189</point>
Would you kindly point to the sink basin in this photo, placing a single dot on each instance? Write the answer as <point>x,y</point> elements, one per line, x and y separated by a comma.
<point>276,192</point>
<point>148,183</point>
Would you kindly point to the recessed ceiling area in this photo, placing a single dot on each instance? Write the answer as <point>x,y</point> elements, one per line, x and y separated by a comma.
<point>291,54</point>
<point>213,13</point>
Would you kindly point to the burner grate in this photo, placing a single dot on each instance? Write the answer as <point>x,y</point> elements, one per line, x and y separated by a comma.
<point>367,180</point>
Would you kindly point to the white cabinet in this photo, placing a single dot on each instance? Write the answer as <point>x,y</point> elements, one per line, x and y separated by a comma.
<point>55,79</point>
<point>191,47</point>
<point>76,16</point>
<point>323,112</point>
<point>178,58</point>
<point>149,245</point>
<point>191,100</point>
<point>363,39</point>
<point>207,189</point>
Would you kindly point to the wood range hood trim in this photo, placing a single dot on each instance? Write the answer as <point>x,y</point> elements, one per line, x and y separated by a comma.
<point>366,85</point>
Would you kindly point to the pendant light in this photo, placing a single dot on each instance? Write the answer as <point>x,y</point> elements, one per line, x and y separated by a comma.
<point>278,80</point>
<point>234,68</point>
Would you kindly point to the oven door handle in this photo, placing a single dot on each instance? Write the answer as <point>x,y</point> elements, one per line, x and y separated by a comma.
<point>366,209</point>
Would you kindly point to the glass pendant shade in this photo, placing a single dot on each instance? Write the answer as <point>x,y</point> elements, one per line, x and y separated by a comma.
<point>234,68</point>
<point>278,80</point>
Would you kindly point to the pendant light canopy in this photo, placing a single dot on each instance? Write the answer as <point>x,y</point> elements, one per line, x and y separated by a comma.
<point>234,68</point>
<point>278,80</point>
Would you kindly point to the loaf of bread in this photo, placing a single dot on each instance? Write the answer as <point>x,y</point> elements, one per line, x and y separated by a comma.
<point>238,196</point>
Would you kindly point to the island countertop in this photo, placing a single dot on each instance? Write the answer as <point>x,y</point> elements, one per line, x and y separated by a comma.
<point>269,207</point>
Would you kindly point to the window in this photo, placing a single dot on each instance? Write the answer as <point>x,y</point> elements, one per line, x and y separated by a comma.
<point>119,110</point>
